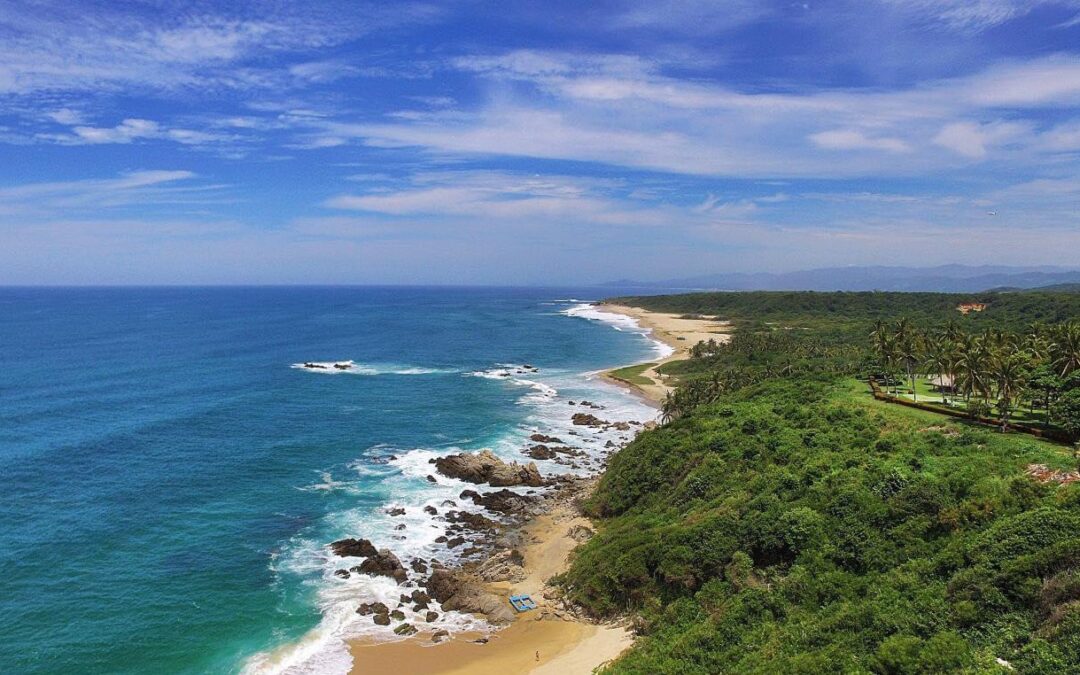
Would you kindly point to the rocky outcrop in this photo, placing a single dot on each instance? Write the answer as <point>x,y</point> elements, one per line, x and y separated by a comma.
<point>541,438</point>
<point>587,420</point>
<point>458,592</point>
<point>540,452</point>
<point>580,533</point>
<point>485,467</point>
<point>503,566</point>
<point>503,501</point>
<point>359,548</point>
<point>474,521</point>
<point>384,564</point>
<point>367,609</point>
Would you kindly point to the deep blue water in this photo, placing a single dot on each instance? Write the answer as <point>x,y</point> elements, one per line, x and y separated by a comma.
<point>168,482</point>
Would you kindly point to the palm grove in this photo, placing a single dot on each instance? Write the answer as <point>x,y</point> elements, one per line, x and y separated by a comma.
<point>996,372</point>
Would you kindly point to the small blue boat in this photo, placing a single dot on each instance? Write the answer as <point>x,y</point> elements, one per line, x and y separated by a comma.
<point>522,603</point>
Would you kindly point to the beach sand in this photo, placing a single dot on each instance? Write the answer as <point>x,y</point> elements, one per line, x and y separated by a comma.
<point>675,331</point>
<point>567,646</point>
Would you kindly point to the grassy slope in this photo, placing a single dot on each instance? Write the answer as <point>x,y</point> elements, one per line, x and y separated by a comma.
<point>632,374</point>
<point>803,527</point>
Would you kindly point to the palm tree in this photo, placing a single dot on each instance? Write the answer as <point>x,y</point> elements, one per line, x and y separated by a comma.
<point>1066,348</point>
<point>909,350</point>
<point>1009,373</point>
<point>941,358</point>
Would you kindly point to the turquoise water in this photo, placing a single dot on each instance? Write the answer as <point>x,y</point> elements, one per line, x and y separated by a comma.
<point>169,481</point>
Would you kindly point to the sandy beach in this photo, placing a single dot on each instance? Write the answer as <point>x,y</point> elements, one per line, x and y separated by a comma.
<point>677,332</point>
<point>548,640</point>
<point>565,644</point>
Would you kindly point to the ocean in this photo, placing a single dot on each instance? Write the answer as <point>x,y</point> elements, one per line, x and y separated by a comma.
<point>171,474</point>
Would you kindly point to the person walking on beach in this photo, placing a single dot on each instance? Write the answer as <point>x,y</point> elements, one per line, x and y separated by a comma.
<point>538,655</point>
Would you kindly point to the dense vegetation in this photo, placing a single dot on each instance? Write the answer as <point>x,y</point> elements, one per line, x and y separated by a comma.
<point>789,523</point>
<point>849,314</point>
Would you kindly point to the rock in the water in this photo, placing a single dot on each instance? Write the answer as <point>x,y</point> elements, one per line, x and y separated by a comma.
<point>360,548</point>
<point>420,597</point>
<point>431,510</point>
<point>405,629</point>
<point>541,438</point>
<point>503,501</point>
<point>418,565</point>
<point>384,564</point>
<point>455,542</point>
<point>474,521</point>
<point>540,452</point>
<point>381,619</point>
<point>344,574</point>
<point>397,615</point>
<point>587,420</point>
<point>366,609</point>
<point>395,511</point>
<point>432,479</point>
<point>440,635</point>
<point>431,616</point>
<point>485,467</point>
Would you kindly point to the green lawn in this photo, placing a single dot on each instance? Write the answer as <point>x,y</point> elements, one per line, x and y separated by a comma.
<point>925,393</point>
<point>632,374</point>
<point>857,391</point>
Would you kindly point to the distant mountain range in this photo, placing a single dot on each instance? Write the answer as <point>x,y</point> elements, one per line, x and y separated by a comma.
<point>944,278</point>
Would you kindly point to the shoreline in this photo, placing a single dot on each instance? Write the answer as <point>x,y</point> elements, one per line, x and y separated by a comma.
<point>673,330</point>
<point>553,639</point>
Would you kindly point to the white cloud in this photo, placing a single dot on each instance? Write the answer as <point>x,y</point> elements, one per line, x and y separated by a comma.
<point>973,140</point>
<point>853,139</point>
<point>65,116</point>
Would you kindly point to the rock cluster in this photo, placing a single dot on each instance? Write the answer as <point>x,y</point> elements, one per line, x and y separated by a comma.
<point>359,548</point>
<point>485,467</point>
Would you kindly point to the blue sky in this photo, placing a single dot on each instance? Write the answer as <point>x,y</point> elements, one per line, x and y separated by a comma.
<point>525,142</point>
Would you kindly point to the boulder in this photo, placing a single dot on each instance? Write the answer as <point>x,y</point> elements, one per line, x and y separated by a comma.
<point>503,566</point>
<point>406,629</point>
<point>432,479</point>
<point>431,510</point>
<point>344,574</point>
<point>431,617</point>
<point>540,452</point>
<point>504,501</point>
<point>395,511</point>
<point>397,615</point>
<point>374,608</point>
<point>580,533</point>
<point>418,566</point>
<point>541,438</point>
<point>456,593</point>
<point>474,521</point>
<point>587,420</point>
<point>440,635</point>
<point>381,619</point>
<point>455,542</point>
<point>384,564</point>
<point>485,467</point>
<point>360,548</point>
